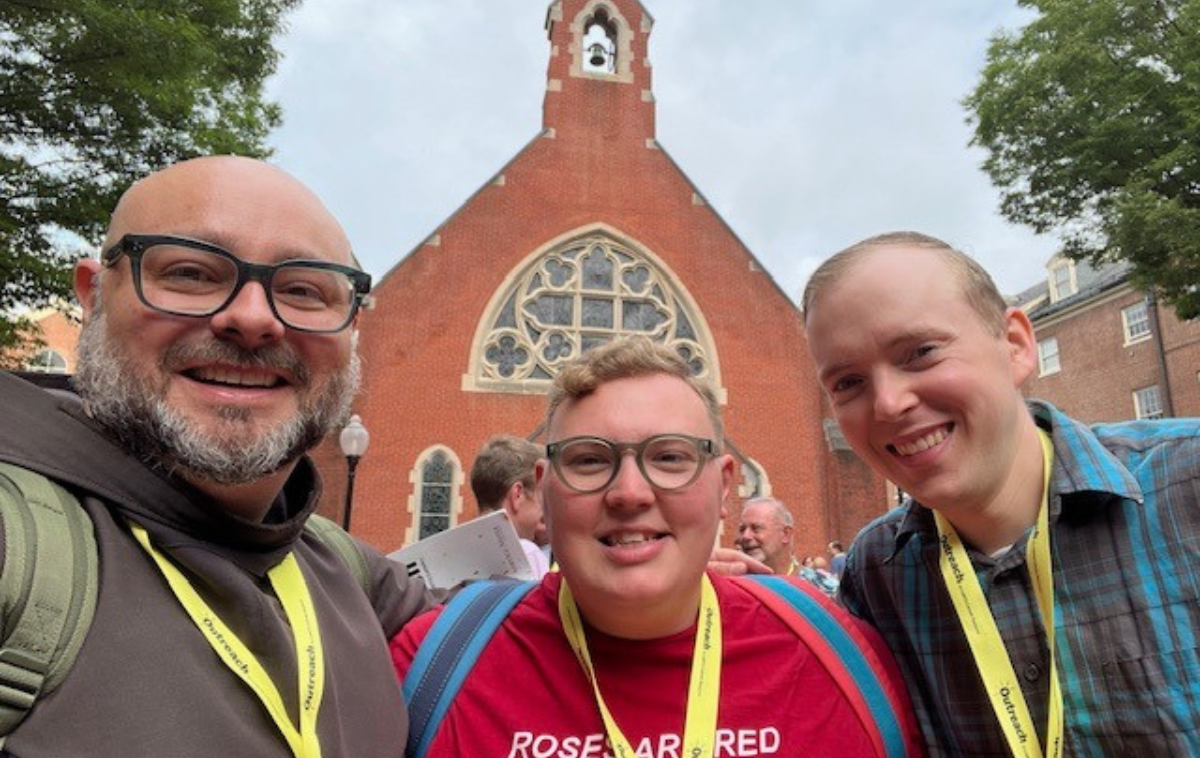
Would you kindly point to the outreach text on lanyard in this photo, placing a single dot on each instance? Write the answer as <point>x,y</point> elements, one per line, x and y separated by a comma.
<point>289,586</point>
<point>704,686</point>
<point>995,666</point>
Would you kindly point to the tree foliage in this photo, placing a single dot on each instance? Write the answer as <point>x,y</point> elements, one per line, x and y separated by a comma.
<point>96,93</point>
<point>1091,117</point>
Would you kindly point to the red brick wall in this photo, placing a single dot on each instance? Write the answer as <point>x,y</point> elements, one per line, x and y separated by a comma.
<point>1100,372</point>
<point>57,331</point>
<point>61,333</point>
<point>1181,343</point>
<point>593,167</point>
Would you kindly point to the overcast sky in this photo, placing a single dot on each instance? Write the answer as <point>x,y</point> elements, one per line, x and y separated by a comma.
<point>807,124</point>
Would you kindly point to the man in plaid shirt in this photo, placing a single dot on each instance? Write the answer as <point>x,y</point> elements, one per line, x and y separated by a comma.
<point>1017,514</point>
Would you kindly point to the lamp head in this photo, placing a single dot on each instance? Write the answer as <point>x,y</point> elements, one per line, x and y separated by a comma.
<point>354,438</point>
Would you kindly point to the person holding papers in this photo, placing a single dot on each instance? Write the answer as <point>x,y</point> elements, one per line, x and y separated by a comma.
<point>502,478</point>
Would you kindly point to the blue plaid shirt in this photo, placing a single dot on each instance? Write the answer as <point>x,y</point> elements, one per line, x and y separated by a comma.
<point>1125,536</point>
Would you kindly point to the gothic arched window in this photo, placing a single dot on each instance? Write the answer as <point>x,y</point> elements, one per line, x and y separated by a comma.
<point>436,502</point>
<point>754,481</point>
<point>578,294</point>
<point>47,361</point>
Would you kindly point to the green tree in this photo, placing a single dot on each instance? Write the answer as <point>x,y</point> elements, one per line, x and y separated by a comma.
<point>96,93</point>
<point>1091,118</point>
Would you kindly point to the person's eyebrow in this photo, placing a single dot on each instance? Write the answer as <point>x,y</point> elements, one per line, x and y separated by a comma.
<point>224,241</point>
<point>824,374</point>
<point>910,335</point>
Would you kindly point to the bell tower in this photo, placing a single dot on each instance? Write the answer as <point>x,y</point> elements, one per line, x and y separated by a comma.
<point>598,80</point>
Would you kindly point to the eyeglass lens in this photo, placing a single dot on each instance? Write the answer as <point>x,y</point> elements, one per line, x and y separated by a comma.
<point>193,282</point>
<point>668,462</point>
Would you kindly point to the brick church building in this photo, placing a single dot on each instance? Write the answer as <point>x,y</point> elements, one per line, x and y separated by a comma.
<point>589,232</point>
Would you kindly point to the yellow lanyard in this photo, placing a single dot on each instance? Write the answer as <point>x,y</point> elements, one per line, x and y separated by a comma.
<point>704,687</point>
<point>310,658</point>
<point>979,625</point>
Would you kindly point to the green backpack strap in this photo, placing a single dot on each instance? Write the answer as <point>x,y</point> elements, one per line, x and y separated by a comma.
<point>50,581</point>
<point>48,588</point>
<point>340,542</point>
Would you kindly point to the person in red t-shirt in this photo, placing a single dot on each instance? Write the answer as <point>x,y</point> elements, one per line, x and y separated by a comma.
<point>634,649</point>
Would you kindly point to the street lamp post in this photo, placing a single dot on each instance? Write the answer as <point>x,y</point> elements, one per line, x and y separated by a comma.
<point>354,440</point>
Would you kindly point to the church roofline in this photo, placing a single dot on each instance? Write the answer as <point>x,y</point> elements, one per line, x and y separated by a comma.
<point>541,135</point>
<point>461,207</point>
<point>758,263</point>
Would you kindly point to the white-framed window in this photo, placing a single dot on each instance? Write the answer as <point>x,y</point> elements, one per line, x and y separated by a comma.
<point>1147,402</point>
<point>47,362</point>
<point>1135,319</point>
<point>754,480</point>
<point>580,291</point>
<point>437,493</point>
<point>435,502</point>
<point>1062,280</point>
<point>1048,362</point>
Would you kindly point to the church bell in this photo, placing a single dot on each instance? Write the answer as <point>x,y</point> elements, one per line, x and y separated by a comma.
<point>597,55</point>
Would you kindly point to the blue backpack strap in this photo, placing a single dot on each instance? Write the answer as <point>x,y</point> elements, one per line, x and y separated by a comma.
<point>450,650</point>
<point>845,653</point>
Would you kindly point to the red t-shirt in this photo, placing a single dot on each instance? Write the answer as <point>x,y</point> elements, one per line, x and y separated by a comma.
<point>528,697</point>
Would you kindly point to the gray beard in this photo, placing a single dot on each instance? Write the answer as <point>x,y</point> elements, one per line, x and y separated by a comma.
<point>133,408</point>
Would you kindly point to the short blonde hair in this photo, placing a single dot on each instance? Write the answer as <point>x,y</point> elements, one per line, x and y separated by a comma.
<point>977,285</point>
<point>625,358</point>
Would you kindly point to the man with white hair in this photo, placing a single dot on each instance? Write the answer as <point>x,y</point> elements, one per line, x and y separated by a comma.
<point>765,533</point>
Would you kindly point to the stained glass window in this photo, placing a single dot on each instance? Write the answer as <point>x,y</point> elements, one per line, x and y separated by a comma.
<point>437,490</point>
<point>579,295</point>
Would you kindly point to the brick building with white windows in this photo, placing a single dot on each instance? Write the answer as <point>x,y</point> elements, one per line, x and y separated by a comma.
<point>53,334</point>
<point>1106,351</point>
<point>590,231</point>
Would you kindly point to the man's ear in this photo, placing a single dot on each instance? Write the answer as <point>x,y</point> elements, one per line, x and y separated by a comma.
<point>1021,343</point>
<point>514,498</point>
<point>87,286</point>
<point>727,477</point>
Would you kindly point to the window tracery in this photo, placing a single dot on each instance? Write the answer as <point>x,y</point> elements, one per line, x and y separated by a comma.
<point>576,296</point>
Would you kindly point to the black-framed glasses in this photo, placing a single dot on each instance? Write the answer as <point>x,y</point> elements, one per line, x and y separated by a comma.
<point>667,461</point>
<point>187,277</point>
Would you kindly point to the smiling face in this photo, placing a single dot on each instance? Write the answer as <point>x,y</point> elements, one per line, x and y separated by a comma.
<point>634,555</point>
<point>233,396</point>
<point>762,535</point>
<point>923,389</point>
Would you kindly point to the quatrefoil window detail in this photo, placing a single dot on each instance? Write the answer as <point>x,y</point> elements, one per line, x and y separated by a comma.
<point>581,294</point>
<point>506,355</point>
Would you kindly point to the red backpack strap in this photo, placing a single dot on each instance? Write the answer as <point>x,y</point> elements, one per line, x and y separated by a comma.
<point>870,684</point>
